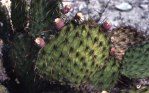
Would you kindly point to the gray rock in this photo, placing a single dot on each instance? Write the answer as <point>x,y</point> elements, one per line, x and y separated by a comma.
<point>138,17</point>
<point>123,6</point>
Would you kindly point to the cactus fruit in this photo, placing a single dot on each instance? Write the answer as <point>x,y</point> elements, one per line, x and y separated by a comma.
<point>123,37</point>
<point>73,56</point>
<point>135,61</point>
<point>3,89</point>
<point>108,75</point>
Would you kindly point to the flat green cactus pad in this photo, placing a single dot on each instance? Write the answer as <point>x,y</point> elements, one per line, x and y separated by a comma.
<point>136,61</point>
<point>73,56</point>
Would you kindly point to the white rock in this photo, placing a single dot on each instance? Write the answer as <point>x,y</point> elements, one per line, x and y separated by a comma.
<point>144,6</point>
<point>123,6</point>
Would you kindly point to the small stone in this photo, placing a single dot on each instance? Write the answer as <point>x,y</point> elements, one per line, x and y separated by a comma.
<point>123,6</point>
<point>144,6</point>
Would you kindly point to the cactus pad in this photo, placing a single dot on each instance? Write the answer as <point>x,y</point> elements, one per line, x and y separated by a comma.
<point>73,56</point>
<point>136,61</point>
<point>20,54</point>
<point>108,75</point>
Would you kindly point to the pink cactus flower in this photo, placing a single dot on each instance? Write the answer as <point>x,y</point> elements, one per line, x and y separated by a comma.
<point>40,42</point>
<point>59,23</point>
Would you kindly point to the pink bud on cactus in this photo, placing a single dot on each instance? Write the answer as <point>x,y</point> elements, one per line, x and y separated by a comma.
<point>66,9</point>
<point>59,23</point>
<point>107,25</point>
<point>40,42</point>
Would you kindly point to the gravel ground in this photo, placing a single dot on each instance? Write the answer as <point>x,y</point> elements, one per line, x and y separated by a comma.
<point>134,13</point>
<point>137,16</point>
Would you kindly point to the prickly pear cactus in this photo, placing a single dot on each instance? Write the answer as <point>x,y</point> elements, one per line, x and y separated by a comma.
<point>135,61</point>
<point>19,14</point>
<point>73,56</point>
<point>41,11</point>
<point>42,15</point>
<point>20,53</point>
<point>28,22</point>
<point>107,76</point>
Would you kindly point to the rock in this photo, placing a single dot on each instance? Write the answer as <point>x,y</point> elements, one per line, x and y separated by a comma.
<point>145,1</point>
<point>123,6</point>
<point>144,6</point>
